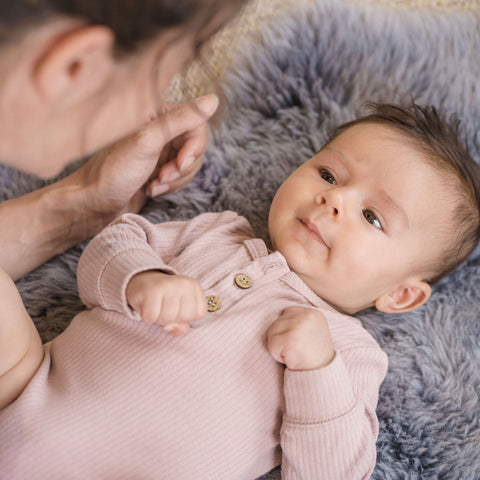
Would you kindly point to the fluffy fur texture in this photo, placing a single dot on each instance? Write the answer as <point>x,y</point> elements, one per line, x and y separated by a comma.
<point>303,75</point>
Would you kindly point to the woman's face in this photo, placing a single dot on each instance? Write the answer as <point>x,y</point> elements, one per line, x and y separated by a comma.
<point>41,131</point>
<point>137,92</point>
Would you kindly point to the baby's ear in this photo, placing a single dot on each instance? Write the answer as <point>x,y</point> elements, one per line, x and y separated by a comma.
<point>406,297</point>
<point>76,64</point>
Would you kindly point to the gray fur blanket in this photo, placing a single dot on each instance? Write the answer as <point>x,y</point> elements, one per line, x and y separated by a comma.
<point>305,74</point>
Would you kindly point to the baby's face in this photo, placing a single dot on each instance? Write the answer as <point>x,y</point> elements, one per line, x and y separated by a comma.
<point>361,217</point>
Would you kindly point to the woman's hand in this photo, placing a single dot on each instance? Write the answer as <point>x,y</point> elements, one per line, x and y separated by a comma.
<point>44,223</point>
<point>181,159</point>
<point>162,156</point>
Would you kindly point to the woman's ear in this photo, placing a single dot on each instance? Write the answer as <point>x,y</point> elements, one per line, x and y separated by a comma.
<point>75,64</point>
<point>404,298</point>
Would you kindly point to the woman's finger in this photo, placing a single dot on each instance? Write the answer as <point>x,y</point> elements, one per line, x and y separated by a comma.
<point>185,118</point>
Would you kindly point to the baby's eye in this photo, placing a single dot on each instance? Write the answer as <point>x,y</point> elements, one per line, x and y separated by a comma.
<point>327,176</point>
<point>371,218</point>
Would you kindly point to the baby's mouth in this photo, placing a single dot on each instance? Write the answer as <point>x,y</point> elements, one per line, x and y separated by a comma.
<point>313,230</point>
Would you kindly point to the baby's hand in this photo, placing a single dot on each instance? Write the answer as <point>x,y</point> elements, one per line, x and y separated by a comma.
<point>300,339</point>
<point>172,301</point>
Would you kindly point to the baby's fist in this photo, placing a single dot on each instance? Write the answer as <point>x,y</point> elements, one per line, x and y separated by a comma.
<point>172,301</point>
<point>300,339</point>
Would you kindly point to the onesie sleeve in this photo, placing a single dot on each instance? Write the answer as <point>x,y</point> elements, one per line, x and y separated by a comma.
<point>129,245</point>
<point>330,428</point>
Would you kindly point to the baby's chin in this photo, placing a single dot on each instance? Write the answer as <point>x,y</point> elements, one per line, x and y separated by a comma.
<point>341,306</point>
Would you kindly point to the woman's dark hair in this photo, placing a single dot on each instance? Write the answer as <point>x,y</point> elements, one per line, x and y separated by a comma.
<point>132,21</point>
<point>438,139</point>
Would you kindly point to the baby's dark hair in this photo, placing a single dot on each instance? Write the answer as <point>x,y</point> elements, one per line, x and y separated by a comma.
<point>132,21</point>
<point>438,139</point>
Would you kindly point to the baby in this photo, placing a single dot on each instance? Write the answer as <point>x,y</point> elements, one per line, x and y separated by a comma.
<point>204,355</point>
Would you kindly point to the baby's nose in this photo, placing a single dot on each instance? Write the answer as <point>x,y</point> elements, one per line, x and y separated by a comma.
<point>329,203</point>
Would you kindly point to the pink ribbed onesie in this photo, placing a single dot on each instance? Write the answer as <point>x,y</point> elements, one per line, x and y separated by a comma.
<point>116,398</point>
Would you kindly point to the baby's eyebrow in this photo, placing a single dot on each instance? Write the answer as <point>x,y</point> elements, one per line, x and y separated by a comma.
<point>340,158</point>
<point>337,153</point>
<point>393,208</point>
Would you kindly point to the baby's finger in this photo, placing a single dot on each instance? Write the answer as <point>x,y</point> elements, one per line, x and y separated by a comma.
<point>149,309</point>
<point>177,328</point>
<point>275,346</point>
<point>286,350</point>
<point>170,311</point>
<point>280,325</point>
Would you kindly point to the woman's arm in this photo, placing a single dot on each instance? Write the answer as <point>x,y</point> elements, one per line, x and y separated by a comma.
<point>44,223</point>
<point>21,350</point>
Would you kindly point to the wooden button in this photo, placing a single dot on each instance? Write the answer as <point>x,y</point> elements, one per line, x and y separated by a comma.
<point>213,303</point>
<point>243,281</point>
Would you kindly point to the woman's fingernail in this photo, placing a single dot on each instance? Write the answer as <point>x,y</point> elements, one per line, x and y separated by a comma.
<point>187,163</point>
<point>170,176</point>
<point>159,189</point>
<point>207,103</point>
